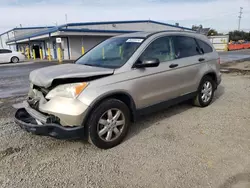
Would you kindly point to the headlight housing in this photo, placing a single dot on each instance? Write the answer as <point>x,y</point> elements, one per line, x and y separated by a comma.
<point>67,90</point>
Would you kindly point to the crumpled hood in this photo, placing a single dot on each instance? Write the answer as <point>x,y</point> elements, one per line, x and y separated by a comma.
<point>44,77</point>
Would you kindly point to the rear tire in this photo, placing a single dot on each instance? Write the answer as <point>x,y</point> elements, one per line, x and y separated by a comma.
<point>108,124</point>
<point>14,59</point>
<point>205,92</point>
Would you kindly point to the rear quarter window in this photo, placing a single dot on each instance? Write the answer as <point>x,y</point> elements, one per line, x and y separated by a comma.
<point>5,51</point>
<point>205,48</point>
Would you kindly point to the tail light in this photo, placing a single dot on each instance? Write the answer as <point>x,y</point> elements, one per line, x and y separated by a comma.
<point>219,61</point>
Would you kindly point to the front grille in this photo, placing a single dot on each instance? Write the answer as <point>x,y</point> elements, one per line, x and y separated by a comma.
<point>37,96</point>
<point>42,89</point>
<point>34,103</point>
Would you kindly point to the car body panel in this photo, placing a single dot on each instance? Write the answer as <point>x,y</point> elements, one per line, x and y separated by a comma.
<point>45,76</point>
<point>71,112</point>
<point>147,86</point>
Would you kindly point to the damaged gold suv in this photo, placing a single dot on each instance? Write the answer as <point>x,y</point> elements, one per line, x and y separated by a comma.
<point>120,79</point>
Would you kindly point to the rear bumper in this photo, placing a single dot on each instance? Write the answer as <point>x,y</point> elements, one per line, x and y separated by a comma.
<point>21,57</point>
<point>219,79</point>
<point>34,125</point>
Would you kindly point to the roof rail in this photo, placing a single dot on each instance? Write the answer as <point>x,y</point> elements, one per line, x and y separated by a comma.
<point>169,31</point>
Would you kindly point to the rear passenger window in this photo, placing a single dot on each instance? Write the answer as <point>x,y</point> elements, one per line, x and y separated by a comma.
<point>205,48</point>
<point>4,51</point>
<point>185,47</point>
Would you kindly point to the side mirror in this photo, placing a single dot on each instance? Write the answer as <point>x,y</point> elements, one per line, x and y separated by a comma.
<point>154,62</point>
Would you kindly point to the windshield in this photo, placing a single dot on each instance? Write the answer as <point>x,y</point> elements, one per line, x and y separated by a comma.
<point>112,53</point>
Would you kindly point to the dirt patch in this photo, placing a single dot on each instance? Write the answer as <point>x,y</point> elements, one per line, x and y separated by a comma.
<point>6,108</point>
<point>240,67</point>
<point>9,151</point>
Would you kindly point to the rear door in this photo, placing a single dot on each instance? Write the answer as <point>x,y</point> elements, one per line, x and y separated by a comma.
<point>188,58</point>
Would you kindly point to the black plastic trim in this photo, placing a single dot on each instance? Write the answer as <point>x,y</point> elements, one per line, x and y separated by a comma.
<point>28,123</point>
<point>164,105</point>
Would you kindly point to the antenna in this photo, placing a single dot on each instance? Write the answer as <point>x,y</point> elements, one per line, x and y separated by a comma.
<point>66,18</point>
<point>241,8</point>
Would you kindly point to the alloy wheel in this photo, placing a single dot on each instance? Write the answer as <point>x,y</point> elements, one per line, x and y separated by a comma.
<point>111,125</point>
<point>206,92</point>
<point>14,59</point>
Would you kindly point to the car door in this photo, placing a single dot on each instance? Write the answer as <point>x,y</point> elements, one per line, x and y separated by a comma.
<point>5,55</point>
<point>157,84</point>
<point>189,59</point>
<point>1,56</point>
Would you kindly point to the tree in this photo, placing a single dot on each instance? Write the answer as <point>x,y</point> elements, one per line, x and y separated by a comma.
<point>239,35</point>
<point>196,27</point>
<point>212,32</point>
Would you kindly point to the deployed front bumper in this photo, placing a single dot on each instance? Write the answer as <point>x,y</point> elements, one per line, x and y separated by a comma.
<point>40,124</point>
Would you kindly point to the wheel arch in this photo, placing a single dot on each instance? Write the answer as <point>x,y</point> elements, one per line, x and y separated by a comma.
<point>119,95</point>
<point>213,76</point>
<point>210,74</point>
<point>13,57</point>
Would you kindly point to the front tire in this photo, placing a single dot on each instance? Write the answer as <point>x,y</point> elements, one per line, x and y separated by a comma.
<point>108,124</point>
<point>14,59</point>
<point>205,92</point>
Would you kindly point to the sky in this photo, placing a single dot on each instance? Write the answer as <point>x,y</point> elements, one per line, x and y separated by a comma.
<point>221,15</point>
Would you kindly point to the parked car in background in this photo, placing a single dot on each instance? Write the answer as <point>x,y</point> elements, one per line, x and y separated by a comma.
<point>8,56</point>
<point>117,81</point>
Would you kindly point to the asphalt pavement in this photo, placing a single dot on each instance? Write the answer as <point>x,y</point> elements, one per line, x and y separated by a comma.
<point>14,78</point>
<point>234,55</point>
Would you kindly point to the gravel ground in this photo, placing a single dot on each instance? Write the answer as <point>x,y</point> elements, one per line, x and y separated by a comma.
<point>183,146</point>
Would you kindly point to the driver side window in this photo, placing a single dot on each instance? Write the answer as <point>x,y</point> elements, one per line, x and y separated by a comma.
<point>161,49</point>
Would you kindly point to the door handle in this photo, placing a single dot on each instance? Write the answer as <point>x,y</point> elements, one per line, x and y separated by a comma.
<point>201,59</point>
<point>173,65</point>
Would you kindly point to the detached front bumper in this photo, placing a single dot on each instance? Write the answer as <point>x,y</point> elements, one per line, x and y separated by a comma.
<point>39,124</point>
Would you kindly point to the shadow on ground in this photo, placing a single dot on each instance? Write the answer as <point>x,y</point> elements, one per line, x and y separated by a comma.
<point>146,121</point>
<point>241,180</point>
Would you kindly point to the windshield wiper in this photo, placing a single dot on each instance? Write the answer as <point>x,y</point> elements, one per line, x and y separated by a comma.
<point>89,65</point>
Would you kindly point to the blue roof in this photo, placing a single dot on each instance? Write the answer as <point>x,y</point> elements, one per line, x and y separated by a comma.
<point>65,29</point>
<point>125,22</point>
<point>97,30</point>
<point>23,28</point>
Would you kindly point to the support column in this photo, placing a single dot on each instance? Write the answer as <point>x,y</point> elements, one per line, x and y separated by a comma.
<point>34,54</point>
<point>41,53</point>
<point>59,49</point>
<point>83,49</point>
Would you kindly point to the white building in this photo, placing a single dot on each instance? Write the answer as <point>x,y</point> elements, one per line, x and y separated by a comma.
<point>220,42</point>
<point>74,36</point>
